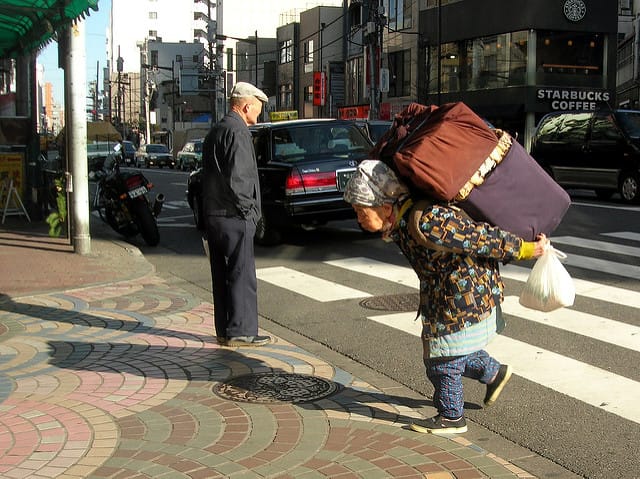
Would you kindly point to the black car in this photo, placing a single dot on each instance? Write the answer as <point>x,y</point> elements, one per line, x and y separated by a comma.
<point>128,152</point>
<point>154,154</point>
<point>303,167</point>
<point>598,150</point>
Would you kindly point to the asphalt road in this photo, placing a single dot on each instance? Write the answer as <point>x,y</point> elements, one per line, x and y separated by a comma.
<point>574,397</point>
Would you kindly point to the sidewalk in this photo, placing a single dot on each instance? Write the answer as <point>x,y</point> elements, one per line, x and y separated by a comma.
<point>107,371</point>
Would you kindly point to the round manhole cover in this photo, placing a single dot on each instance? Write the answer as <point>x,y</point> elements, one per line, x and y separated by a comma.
<point>275,387</point>
<point>393,302</point>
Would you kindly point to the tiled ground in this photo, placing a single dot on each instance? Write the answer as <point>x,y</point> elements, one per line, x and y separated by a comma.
<point>117,382</point>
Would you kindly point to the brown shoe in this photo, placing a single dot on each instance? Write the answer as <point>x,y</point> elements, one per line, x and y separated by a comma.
<point>248,341</point>
<point>221,340</point>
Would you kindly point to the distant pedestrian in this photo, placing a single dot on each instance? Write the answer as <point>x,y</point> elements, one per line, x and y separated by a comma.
<point>231,196</point>
<point>456,260</point>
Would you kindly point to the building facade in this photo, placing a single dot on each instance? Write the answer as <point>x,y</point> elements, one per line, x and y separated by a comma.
<point>628,80</point>
<point>513,69</point>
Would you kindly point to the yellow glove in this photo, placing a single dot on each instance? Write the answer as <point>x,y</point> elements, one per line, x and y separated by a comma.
<point>527,250</point>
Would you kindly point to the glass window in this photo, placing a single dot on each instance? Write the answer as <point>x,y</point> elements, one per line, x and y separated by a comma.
<point>308,93</point>
<point>630,123</point>
<point>604,129</point>
<point>286,51</point>
<point>399,14</point>
<point>569,58</point>
<point>495,61</point>
<point>399,73</point>
<point>308,52</point>
<point>574,127</point>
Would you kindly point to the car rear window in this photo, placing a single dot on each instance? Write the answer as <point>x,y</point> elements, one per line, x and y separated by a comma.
<point>297,142</point>
<point>630,122</point>
<point>157,149</point>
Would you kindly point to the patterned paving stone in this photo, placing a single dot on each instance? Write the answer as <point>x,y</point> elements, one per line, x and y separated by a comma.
<point>117,382</point>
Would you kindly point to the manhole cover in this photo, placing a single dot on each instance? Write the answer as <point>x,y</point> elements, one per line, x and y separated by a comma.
<point>275,387</point>
<point>393,302</point>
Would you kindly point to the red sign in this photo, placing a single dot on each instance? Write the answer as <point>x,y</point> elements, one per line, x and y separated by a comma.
<point>358,112</point>
<point>319,88</point>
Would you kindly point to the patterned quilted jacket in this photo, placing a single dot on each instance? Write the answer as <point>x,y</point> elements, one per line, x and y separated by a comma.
<point>456,260</point>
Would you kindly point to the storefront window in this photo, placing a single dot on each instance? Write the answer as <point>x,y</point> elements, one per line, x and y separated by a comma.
<point>496,61</point>
<point>569,58</point>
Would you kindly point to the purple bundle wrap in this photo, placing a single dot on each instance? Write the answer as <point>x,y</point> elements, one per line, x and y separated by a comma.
<point>518,196</point>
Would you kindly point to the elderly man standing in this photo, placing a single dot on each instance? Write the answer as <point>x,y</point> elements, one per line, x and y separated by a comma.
<point>231,197</point>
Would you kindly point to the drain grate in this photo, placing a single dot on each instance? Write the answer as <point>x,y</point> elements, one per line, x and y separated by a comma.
<point>275,388</point>
<point>393,302</point>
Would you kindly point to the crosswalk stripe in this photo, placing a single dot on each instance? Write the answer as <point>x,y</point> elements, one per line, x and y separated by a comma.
<point>588,289</point>
<point>589,325</point>
<point>596,327</point>
<point>596,245</point>
<point>307,285</point>
<point>405,275</point>
<point>603,266</point>
<point>592,385</point>
<point>629,235</point>
<point>378,269</point>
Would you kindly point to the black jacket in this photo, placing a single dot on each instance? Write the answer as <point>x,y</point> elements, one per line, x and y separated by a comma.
<point>230,184</point>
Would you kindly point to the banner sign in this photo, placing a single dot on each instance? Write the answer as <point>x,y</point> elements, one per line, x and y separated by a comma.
<point>319,88</point>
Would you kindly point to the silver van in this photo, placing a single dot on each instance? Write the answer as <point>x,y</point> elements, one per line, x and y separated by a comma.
<point>598,150</point>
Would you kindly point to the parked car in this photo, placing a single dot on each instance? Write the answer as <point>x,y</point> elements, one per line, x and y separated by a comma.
<point>303,166</point>
<point>190,157</point>
<point>100,153</point>
<point>598,150</point>
<point>154,154</point>
<point>128,152</point>
<point>374,129</point>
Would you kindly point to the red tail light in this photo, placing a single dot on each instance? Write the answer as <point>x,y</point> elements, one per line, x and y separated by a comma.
<point>133,181</point>
<point>310,182</point>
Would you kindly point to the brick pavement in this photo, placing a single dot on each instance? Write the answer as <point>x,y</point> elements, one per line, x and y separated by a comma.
<point>107,371</point>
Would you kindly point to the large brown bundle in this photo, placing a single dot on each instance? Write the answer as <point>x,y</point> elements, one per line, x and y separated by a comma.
<point>436,149</point>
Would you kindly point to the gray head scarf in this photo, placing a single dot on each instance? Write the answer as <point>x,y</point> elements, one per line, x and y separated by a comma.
<point>374,184</point>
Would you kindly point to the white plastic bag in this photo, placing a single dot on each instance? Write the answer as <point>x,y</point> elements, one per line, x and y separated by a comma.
<point>549,285</point>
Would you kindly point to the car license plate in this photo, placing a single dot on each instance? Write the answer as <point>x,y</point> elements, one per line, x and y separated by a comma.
<point>343,178</point>
<point>139,191</point>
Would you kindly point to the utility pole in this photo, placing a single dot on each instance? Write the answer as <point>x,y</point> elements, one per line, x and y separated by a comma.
<point>257,86</point>
<point>212,28</point>
<point>373,38</point>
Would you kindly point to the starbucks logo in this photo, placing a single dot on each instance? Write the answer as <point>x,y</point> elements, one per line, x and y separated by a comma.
<point>574,10</point>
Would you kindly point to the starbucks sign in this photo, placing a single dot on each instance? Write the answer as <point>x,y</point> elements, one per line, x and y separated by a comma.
<point>574,10</point>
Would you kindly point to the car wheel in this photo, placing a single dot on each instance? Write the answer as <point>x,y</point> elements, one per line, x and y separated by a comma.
<point>266,233</point>
<point>630,187</point>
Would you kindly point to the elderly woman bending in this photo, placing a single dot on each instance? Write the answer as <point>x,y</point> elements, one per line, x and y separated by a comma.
<point>456,260</point>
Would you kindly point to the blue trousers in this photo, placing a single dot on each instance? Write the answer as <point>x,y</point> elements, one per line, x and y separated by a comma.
<point>233,274</point>
<point>446,376</point>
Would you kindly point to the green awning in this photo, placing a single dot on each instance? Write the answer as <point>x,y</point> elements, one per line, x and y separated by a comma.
<point>27,25</point>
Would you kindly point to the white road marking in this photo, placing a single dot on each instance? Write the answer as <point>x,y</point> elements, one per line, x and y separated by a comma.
<point>596,245</point>
<point>307,285</point>
<point>589,325</point>
<point>624,235</point>
<point>405,275</point>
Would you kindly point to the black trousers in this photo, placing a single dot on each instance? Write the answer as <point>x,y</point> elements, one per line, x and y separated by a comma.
<point>233,275</point>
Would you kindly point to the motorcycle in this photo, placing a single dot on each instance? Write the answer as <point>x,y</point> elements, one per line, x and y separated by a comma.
<point>122,201</point>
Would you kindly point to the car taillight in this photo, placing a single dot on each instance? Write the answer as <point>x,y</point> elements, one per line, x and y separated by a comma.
<point>310,182</point>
